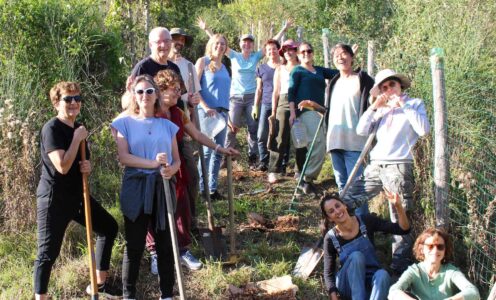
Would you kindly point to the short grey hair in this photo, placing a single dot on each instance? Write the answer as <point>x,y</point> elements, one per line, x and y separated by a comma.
<point>156,31</point>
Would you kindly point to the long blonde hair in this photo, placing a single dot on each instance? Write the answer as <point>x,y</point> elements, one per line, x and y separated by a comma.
<point>209,50</point>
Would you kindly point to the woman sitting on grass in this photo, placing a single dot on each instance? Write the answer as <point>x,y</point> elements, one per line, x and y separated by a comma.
<point>433,277</point>
<point>60,191</point>
<point>147,147</point>
<point>360,275</point>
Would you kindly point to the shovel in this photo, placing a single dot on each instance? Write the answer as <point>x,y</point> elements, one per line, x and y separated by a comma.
<point>308,260</point>
<point>89,229</point>
<point>175,246</point>
<point>212,239</point>
<point>233,258</point>
<point>310,257</point>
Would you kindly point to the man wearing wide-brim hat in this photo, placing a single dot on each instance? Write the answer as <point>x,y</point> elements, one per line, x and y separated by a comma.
<point>401,121</point>
<point>180,39</point>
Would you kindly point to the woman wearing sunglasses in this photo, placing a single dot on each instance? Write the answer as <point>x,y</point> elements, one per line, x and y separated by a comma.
<point>147,147</point>
<point>349,239</point>
<point>433,277</point>
<point>279,153</point>
<point>401,121</point>
<point>306,93</point>
<point>60,191</point>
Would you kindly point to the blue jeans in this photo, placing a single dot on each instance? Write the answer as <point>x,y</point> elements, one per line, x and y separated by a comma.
<point>212,160</point>
<point>397,178</point>
<point>263,132</point>
<point>353,282</point>
<point>240,109</point>
<point>343,162</point>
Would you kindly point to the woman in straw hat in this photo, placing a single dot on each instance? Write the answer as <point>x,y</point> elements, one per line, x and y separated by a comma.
<point>401,120</point>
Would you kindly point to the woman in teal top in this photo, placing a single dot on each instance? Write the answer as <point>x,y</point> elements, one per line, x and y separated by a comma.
<point>433,278</point>
<point>306,92</point>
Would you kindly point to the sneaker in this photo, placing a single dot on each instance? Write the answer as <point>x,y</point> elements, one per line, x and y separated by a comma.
<point>107,291</point>
<point>153,264</point>
<point>272,178</point>
<point>216,196</point>
<point>190,262</point>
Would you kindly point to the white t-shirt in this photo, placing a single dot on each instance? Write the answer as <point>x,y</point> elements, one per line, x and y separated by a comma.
<point>344,116</point>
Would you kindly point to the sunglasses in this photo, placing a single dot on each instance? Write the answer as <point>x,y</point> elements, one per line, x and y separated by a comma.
<point>289,49</point>
<point>440,247</point>
<point>308,51</point>
<point>386,86</point>
<point>68,99</point>
<point>149,91</point>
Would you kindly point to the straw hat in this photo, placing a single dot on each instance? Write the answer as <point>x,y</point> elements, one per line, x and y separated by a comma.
<point>385,75</point>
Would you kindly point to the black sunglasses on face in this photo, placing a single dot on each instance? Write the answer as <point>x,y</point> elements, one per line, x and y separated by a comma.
<point>68,99</point>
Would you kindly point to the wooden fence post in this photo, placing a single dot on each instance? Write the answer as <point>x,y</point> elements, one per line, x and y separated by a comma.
<point>299,34</point>
<point>325,44</point>
<point>441,158</point>
<point>370,58</point>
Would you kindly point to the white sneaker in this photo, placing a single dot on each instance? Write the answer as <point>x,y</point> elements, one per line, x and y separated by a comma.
<point>272,178</point>
<point>153,264</point>
<point>168,298</point>
<point>189,261</point>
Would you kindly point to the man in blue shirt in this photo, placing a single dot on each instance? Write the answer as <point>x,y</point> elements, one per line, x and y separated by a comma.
<point>243,86</point>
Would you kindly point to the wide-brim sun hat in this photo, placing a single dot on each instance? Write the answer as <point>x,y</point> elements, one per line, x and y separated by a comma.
<point>180,31</point>
<point>288,44</point>
<point>247,36</point>
<point>385,75</point>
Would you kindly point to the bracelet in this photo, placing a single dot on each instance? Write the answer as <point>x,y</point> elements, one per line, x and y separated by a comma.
<point>217,147</point>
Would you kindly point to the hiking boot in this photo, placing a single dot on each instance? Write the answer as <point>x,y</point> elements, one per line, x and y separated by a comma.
<point>107,291</point>
<point>190,262</point>
<point>272,178</point>
<point>262,167</point>
<point>252,162</point>
<point>153,264</point>
<point>216,196</point>
<point>309,189</point>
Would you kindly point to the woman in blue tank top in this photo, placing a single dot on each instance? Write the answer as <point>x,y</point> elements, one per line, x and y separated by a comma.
<point>215,88</point>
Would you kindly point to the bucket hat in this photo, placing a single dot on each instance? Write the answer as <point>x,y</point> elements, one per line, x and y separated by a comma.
<point>385,75</point>
<point>180,31</point>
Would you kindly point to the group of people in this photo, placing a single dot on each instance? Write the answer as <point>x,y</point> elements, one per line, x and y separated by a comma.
<point>157,131</point>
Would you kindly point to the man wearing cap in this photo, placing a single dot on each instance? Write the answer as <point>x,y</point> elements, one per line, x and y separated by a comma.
<point>401,121</point>
<point>243,86</point>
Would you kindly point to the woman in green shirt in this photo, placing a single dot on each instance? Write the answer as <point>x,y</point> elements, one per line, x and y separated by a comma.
<point>306,93</point>
<point>433,278</point>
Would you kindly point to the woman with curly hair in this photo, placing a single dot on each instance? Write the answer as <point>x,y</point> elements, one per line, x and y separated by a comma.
<point>433,277</point>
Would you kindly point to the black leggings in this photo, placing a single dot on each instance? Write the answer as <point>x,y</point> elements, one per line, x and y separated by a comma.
<point>135,233</point>
<point>52,218</point>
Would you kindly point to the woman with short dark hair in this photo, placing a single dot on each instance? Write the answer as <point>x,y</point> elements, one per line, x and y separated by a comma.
<point>349,95</point>
<point>60,191</point>
<point>433,277</point>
